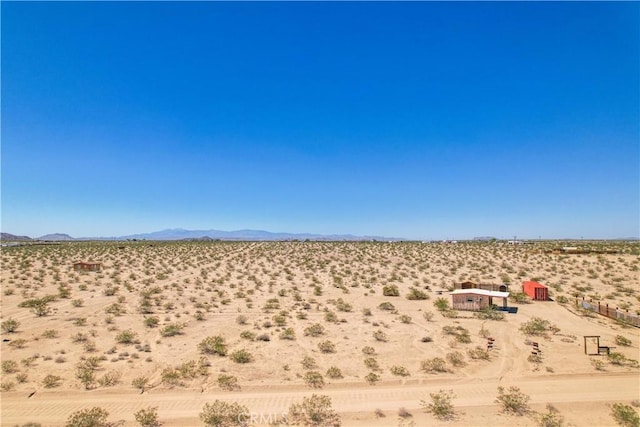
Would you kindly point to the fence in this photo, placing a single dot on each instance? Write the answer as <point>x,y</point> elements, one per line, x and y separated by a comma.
<point>613,313</point>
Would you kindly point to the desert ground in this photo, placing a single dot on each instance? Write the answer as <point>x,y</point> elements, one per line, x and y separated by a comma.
<point>169,327</point>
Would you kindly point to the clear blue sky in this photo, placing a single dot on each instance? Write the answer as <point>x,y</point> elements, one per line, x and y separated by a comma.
<point>418,120</point>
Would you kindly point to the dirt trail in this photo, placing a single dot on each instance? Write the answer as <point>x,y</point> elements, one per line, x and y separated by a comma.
<point>181,407</point>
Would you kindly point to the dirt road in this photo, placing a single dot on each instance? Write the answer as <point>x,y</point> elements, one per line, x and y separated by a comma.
<point>181,407</point>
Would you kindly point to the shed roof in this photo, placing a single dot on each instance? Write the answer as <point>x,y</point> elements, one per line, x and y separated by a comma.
<point>483,292</point>
<point>534,284</point>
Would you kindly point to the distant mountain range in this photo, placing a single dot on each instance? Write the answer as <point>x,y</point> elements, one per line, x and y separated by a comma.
<point>14,238</point>
<point>204,235</point>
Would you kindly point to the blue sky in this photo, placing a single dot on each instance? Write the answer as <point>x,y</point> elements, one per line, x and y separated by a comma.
<point>419,120</point>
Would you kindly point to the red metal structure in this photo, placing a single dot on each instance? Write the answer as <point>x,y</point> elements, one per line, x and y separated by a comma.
<point>536,291</point>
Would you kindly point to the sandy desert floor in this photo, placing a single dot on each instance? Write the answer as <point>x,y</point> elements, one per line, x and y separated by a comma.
<point>297,318</point>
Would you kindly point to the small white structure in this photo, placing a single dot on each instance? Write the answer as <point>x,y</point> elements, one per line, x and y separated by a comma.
<point>476,299</point>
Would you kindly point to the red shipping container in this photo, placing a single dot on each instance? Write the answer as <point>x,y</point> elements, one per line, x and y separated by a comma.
<point>536,291</point>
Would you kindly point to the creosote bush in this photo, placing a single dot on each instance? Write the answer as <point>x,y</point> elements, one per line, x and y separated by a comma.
<point>224,414</point>
<point>10,325</point>
<point>148,417</point>
<point>314,330</point>
<point>228,382</point>
<point>372,378</point>
<point>442,304</point>
<point>313,411</point>
<point>390,291</point>
<point>126,337</point>
<point>334,373</point>
<point>241,356</point>
<point>213,345</point>
<point>435,365</point>
<point>380,336</point>
<point>625,415</point>
<point>314,379</point>
<point>417,294</point>
<point>441,405</point>
<point>552,418</point>
<point>94,417</point>
<point>400,371</point>
<point>327,347</point>
<point>172,329</point>
<point>623,341</point>
<point>538,326</point>
<point>513,401</point>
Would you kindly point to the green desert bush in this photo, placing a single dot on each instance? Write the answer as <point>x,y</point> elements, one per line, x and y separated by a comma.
<point>51,381</point>
<point>314,379</point>
<point>327,347</point>
<point>513,401</point>
<point>309,363</point>
<point>241,356</point>
<point>417,294</point>
<point>288,334</point>
<point>368,350</point>
<point>552,418</point>
<point>126,337</point>
<point>372,378</point>
<point>442,304</point>
<point>625,415</point>
<point>489,313</point>
<point>151,321</point>
<point>10,325</point>
<point>9,366</point>
<point>434,365</point>
<point>456,359</point>
<point>172,329</point>
<point>538,326</point>
<point>441,405</point>
<point>399,371</point>
<point>314,330</point>
<point>380,336</point>
<point>390,291</point>
<point>623,341</point>
<point>94,417</point>
<point>148,417</point>
<point>386,306</point>
<point>334,373</point>
<point>228,382</point>
<point>140,383</point>
<point>213,345</point>
<point>224,414</point>
<point>313,411</point>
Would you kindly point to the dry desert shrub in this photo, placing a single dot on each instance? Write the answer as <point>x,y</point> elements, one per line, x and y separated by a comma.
<point>94,417</point>
<point>10,325</point>
<point>241,356</point>
<point>441,405</point>
<point>327,347</point>
<point>538,326</point>
<point>434,365</point>
<point>314,330</point>
<point>399,371</point>
<point>148,417</point>
<point>213,345</point>
<point>228,382</point>
<point>372,378</point>
<point>314,379</point>
<point>624,415</point>
<point>224,414</point>
<point>334,373</point>
<point>513,401</point>
<point>313,411</point>
<point>552,418</point>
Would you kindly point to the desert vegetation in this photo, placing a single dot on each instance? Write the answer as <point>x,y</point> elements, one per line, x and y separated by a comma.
<point>228,316</point>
